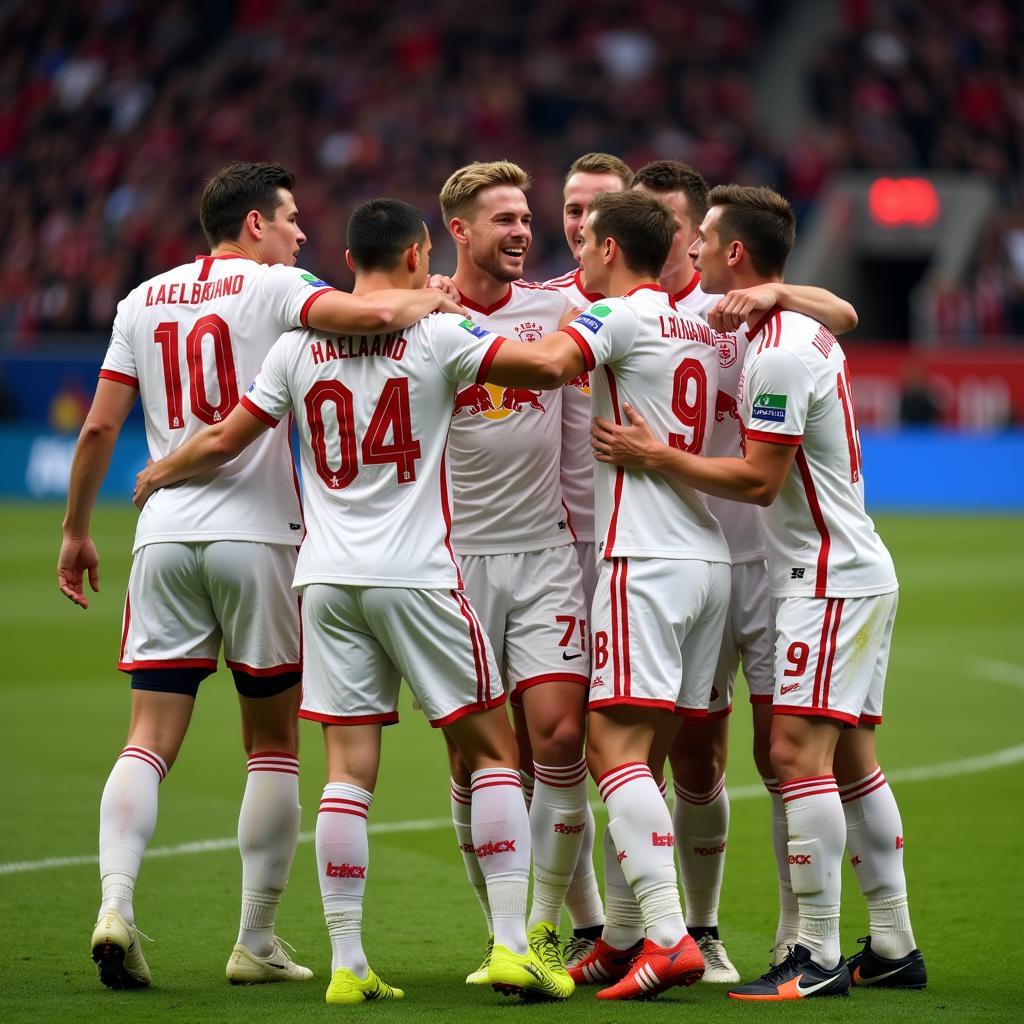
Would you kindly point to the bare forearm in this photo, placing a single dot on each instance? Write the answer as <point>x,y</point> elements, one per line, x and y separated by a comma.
<point>387,309</point>
<point>202,454</point>
<point>819,304</point>
<point>734,479</point>
<point>88,470</point>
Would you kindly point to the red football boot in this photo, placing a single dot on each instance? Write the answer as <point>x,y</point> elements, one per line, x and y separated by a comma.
<point>657,969</point>
<point>604,963</point>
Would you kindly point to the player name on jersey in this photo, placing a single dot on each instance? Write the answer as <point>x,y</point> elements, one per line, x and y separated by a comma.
<point>390,346</point>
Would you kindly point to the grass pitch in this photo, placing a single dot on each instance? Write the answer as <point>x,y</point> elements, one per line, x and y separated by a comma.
<point>951,745</point>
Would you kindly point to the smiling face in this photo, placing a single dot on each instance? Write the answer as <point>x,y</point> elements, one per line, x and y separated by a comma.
<point>498,233</point>
<point>282,235</point>
<point>580,189</point>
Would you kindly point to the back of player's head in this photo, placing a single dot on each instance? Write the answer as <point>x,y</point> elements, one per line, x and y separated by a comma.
<point>664,176</point>
<point>235,190</point>
<point>380,230</point>
<point>759,218</point>
<point>642,227</point>
<point>601,163</point>
<point>459,195</point>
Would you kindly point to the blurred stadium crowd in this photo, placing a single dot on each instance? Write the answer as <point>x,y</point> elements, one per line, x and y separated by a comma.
<point>112,114</point>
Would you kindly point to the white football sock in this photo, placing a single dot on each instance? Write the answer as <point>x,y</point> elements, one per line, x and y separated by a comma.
<point>817,837</point>
<point>127,819</point>
<point>874,841</point>
<point>501,835</point>
<point>462,819</point>
<point>268,831</point>
<point>557,820</point>
<point>641,826</point>
<point>342,859</point>
<point>701,823</point>
<point>789,912</point>
<point>624,921</point>
<point>583,897</point>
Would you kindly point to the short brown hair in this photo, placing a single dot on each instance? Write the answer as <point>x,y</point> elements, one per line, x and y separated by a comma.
<point>235,190</point>
<point>458,196</point>
<point>642,226</point>
<point>600,163</point>
<point>759,218</point>
<point>673,176</point>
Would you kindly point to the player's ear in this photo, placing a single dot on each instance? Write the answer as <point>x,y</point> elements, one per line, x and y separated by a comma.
<point>457,227</point>
<point>253,224</point>
<point>610,248</point>
<point>348,261</point>
<point>413,255</point>
<point>736,252</point>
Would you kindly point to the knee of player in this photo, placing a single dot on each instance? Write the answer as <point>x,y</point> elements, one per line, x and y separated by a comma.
<point>785,757</point>
<point>560,743</point>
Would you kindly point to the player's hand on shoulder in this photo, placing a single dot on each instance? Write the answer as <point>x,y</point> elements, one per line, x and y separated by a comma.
<point>444,284</point>
<point>631,446</point>
<point>742,305</point>
<point>446,301</point>
<point>78,555</point>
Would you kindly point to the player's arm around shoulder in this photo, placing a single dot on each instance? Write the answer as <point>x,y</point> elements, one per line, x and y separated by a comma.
<point>745,305</point>
<point>546,364</point>
<point>78,555</point>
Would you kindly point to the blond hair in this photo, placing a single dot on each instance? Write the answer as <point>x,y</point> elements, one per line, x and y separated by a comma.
<point>458,197</point>
<point>601,163</point>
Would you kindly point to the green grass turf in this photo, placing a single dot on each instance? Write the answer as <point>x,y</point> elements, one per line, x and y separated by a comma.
<point>953,694</point>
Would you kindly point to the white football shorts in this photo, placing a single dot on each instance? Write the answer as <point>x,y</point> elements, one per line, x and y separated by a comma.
<point>184,598</point>
<point>532,607</point>
<point>749,637</point>
<point>360,642</point>
<point>587,557</point>
<point>657,632</point>
<point>831,655</point>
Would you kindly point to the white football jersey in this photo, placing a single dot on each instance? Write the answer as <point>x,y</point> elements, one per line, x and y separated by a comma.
<point>373,415</point>
<point>739,520</point>
<point>663,361</point>
<point>795,389</point>
<point>190,340</point>
<point>577,456</point>
<point>505,443</point>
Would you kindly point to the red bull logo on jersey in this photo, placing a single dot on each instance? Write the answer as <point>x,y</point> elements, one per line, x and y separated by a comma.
<point>493,402</point>
<point>725,405</point>
<point>582,382</point>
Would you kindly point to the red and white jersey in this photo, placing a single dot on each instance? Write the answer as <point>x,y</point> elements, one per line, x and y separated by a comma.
<point>505,443</point>
<point>577,457</point>
<point>663,361</point>
<point>373,415</point>
<point>190,340</point>
<point>739,520</point>
<point>795,389</point>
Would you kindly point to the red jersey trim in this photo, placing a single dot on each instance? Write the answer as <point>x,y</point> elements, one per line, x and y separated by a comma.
<point>619,471</point>
<point>274,670</point>
<point>650,286</point>
<point>694,281</point>
<point>552,677</point>
<point>870,720</point>
<point>250,406</point>
<point>220,256</point>
<point>386,718</point>
<point>821,577</point>
<point>469,709</point>
<point>568,521</point>
<point>588,356</point>
<point>485,363</point>
<point>131,666</point>
<point>637,702</point>
<point>699,713</point>
<point>792,709</point>
<point>486,310</point>
<point>120,378</point>
<point>304,313</point>
<point>756,329</point>
<point>761,698</point>
<point>705,716</point>
<point>770,438</point>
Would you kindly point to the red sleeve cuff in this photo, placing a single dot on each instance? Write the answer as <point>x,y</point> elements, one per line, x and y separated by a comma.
<point>251,406</point>
<point>304,313</point>
<point>121,378</point>
<point>764,435</point>
<point>485,363</point>
<point>588,356</point>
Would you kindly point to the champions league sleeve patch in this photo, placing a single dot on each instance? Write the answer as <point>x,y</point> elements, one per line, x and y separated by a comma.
<point>314,282</point>
<point>769,407</point>
<point>474,329</point>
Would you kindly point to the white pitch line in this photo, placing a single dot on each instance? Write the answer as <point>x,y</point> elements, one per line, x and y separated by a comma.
<point>999,671</point>
<point>966,766</point>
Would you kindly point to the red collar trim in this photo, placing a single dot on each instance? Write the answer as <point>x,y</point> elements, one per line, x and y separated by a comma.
<point>757,328</point>
<point>222,256</point>
<point>486,310</point>
<point>694,281</point>
<point>589,296</point>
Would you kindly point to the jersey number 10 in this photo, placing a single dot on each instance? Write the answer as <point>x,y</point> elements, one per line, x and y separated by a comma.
<point>166,336</point>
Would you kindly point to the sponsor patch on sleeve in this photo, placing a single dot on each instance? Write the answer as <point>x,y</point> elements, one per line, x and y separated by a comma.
<point>769,407</point>
<point>314,282</point>
<point>475,329</point>
<point>591,323</point>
